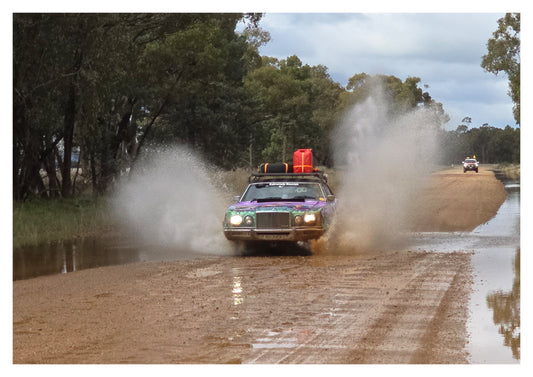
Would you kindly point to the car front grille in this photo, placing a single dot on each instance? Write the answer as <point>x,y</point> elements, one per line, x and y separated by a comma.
<point>273,220</point>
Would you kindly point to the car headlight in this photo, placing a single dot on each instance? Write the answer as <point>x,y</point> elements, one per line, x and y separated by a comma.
<point>298,220</point>
<point>235,220</point>
<point>309,218</point>
<point>248,220</point>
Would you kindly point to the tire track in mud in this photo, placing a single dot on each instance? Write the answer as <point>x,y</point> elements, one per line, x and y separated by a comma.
<point>400,307</point>
<point>409,330</point>
<point>354,301</point>
<point>402,304</point>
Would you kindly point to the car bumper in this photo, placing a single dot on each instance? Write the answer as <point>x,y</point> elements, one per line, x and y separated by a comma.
<point>294,234</point>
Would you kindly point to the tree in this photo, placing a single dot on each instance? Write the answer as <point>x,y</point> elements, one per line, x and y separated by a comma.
<point>401,96</point>
<point>103,82</point>
<point>489,144</point>
<point>298,107</point>
<point>504,56</point>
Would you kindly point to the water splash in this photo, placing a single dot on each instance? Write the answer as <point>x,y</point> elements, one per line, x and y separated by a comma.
<point>172,200</point>
<point>382,158</point>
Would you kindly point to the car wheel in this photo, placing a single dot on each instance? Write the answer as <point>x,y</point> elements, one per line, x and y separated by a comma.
<point>476,170</point>
<point>464,170</point>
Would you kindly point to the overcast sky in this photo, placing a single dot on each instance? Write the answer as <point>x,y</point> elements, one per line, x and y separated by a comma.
<point>443,49</point>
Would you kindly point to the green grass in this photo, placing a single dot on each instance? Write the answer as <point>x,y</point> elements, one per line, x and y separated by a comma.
<point>41,221</point>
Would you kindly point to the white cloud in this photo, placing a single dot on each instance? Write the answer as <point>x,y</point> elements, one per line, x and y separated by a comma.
<point>443,49</point>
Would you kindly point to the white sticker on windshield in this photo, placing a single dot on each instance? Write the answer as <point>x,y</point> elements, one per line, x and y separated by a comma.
<point>283,184</point>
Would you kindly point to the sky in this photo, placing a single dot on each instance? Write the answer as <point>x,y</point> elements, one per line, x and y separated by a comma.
<point>443,49</point>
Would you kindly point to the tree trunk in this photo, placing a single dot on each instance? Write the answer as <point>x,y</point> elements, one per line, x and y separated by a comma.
<point>93,172</point>
<point>50,164</point>
<point>68,136</point>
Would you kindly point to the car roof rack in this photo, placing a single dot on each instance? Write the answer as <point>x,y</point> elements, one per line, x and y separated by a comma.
<point>257,177</point>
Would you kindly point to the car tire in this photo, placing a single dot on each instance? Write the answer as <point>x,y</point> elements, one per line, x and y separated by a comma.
<point>464,170</point>
<point>476,171</point>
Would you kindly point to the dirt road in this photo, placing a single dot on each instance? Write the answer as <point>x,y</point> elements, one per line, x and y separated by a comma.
<point>457,201</point>
<point>379,307</point>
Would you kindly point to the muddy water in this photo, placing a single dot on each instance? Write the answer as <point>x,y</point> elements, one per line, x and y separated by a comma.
<point>494,323</point>
<point>68,256</point>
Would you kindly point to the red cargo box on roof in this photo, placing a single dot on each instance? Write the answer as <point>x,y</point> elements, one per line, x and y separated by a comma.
<point>303,161</point>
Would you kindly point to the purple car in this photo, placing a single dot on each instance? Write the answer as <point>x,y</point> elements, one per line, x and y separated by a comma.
<point>281,207</point>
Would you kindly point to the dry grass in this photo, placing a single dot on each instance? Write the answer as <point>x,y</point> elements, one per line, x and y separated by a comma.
<point>510,171</point>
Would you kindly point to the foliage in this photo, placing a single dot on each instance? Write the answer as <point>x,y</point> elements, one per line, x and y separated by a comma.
<point>489,144</point>
<point>503,55</point>
<point>402,96</point>
<point>298,105</point>
<point>99,82</point>
<point>94,93</point>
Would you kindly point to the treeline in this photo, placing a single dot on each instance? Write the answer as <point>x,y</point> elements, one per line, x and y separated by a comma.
<point>490,145</point>
<point>93,93</point>
<point>101,85</point>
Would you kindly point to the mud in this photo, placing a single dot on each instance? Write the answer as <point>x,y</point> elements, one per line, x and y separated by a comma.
<point>386,308</point>
<point>373,307</point>
<point>455,201</point>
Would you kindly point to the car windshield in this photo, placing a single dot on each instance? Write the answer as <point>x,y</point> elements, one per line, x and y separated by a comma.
<point>470,160</point>
<point>285,191</point>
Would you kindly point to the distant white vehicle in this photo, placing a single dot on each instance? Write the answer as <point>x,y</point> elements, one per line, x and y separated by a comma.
<point>470,164</point>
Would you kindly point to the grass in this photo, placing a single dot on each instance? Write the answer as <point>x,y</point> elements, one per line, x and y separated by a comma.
<point>40,221</point>
<point>511,171</point>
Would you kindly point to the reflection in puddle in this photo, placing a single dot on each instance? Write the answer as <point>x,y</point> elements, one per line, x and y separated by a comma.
<point>237,290</point>
<point>506,311</point>
<point>493,274</point>
<point>68,256</point>
<point>494,323</point>
<point>91,252</point>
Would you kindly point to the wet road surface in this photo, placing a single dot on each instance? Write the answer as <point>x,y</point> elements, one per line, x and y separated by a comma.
<point>440,301</point>
<point>387,308</point>
<point>494,308</point>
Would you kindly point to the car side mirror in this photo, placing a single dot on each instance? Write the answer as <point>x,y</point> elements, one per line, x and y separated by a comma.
<point>330,198</point>
<point>236,198</point>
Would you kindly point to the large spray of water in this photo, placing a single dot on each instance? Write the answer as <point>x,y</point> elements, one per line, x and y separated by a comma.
<point>382,159</point>
<point>171,200</point>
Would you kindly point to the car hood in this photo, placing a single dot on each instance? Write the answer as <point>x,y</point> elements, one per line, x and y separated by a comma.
<point>278,206</point>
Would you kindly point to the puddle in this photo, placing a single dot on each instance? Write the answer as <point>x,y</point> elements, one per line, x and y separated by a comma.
<point>494,323</point>
<point>68,256</point>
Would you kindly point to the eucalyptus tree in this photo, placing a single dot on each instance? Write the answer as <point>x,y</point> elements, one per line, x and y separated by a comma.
<point>503,55</point>
<point>95,81</point>
<point>299,106</point>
